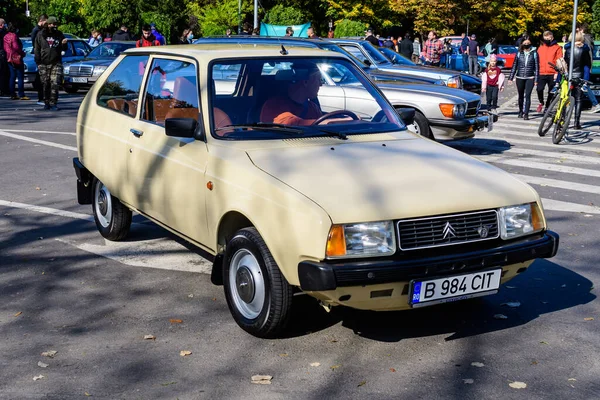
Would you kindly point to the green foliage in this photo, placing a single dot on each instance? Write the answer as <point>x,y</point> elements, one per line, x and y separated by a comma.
<point>347,27</point>
<point>595,25</point>
<point>68,13</point>
<point>109,15</point>
<point>282,15</point>
<point>215,19</point>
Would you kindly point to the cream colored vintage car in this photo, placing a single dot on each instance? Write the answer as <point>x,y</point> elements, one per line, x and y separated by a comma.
<point>234,149</point>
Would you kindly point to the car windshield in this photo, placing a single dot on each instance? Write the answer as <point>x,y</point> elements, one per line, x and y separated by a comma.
<point>375,55</point>
<point>110,49</point>
<point>395,57</point>
<point>507,49</point>
<point>596,52</point>
<point>27,46</point>
<point>261,99</point>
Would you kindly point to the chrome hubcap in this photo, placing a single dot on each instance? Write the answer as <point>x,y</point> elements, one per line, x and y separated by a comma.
<point>246,284</point>
<point>414,128</point>
<point>103,206</point>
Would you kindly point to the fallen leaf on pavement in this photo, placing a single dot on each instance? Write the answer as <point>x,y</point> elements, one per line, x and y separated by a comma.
<point>37,378</point>
<point>362,383</point>
<point>572,379</point>
<point>392,370</point>
<point>477,364</point>
<point>19,313</point>
<point>176,321</point>
<point>500,316</point>
<point>37,188</point>
<point>315,364</point>
<point>589,319</point>
<point>149,337</point>
<point>43,365</point>
<point>214,299</point>
<point>518,385</point>
<point>191,296</point>
<point>184,353</point>
<point>50,353</point>
<point>334,367</point>
<point>168,383</point>
<point>262,379</point>
<point>542,342</point>
<point>468,381</point>
<point>534,363</point>
<point>511,304</point>
<point>334,340</point>
<point>87,394</point>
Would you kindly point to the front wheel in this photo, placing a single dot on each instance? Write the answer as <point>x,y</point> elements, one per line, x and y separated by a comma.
<point>548,118</point>
<point>71,89</point>
<point>562,126</point>
<point>420,126</point>
<point>258,295</point>
<point>112,218</point>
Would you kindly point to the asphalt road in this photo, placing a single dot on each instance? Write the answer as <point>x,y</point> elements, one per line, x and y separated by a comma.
<point>64,288</point>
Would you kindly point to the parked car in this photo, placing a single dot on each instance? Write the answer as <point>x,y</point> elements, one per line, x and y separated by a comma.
<point>84,73</point>
<point>441,112</point>
<point>353,210</point>
<point>508,53</point>
<point>595,73</point>
<point>470,83</point>
<point>77,49</point>
<point>455,40</point>
<point>456,62</point>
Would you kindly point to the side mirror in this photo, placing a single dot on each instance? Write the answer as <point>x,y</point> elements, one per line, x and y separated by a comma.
<point>367,63</point>
<point>407,115</point>
<point>181,127</point>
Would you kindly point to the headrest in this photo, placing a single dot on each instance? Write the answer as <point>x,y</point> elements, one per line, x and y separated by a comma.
<point>185,90</point>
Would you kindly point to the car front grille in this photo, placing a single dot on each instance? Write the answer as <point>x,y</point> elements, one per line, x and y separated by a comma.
<point>81,70</point>
<point>447,230</point>
<point>473,108</point>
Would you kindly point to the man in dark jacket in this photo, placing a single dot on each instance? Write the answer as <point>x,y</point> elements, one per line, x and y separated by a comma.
<point>48,48</point>
<point>406,46</point>
<point>122,34</point>
<point>464,45</point>
<point>148,39</point>
<point>582,64</point>
<point>38,82</point>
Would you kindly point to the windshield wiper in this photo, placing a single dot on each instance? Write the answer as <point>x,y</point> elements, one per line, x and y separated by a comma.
<point>339,135</point>
<point>263,126</point>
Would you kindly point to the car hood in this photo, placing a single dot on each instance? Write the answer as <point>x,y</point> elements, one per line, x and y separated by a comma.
<point>437,90</point>
<point>441,73</point>
<point>95,61</point>
<point>356,181</point>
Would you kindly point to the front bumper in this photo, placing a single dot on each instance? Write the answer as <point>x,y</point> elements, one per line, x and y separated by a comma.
<point>461,125</point>
<point>324,276</point>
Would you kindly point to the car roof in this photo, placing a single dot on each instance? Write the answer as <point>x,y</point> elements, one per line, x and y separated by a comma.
<point>210,51</point>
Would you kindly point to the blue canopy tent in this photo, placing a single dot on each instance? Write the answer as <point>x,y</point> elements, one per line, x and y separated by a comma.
<point>279,30</point>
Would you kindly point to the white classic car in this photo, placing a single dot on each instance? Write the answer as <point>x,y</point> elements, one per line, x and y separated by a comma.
<point>291,190</point>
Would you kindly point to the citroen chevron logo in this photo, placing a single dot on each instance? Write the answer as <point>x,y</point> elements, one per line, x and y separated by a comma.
<point>448,231</point>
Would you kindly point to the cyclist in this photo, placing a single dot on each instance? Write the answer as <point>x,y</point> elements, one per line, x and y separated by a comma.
<point>582,65</point>
<point>549,51</point>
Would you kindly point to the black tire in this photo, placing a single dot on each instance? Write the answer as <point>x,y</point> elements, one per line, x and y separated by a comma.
<point>113,219</point>
<point>421,126</point>
<point>548,118</point>
<point>258,295</point>
<point>71,89</point>
<point>562,125</point>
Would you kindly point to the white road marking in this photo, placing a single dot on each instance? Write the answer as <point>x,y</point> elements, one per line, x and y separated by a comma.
<point>557,205</point>
<point>579,187</point>
<point>38,141</point>
<point>46,210</point>
<point>534,164</point>
<point>26,131</point>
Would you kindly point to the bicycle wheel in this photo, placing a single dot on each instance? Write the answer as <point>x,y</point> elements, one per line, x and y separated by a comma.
<point>562,126</point>
<point>548,118</point>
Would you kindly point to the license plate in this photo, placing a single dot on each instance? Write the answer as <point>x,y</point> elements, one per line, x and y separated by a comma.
<point>79,80</point>
<point>454,288</point>
<point>596,92</point>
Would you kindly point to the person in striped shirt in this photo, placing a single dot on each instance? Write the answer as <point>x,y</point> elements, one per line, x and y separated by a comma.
<point>432,50</point>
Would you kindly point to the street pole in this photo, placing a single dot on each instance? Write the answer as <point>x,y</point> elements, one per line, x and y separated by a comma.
<point>255,14</point>
<point>467,27</point>
<point>239,17</point>
<point>573,39</point>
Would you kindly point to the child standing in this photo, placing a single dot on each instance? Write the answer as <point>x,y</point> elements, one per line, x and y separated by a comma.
<point>492,82</point>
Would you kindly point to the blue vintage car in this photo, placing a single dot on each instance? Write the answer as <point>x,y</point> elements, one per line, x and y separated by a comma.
<point>77,49</point>
<point>456,62</point>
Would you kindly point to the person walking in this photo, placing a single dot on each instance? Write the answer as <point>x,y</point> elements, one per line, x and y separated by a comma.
<point>123,34</point>
<point>416,53</point>
<point>13,47</point>
<point>473,51</point>
<point>587,39</point>
<point>582,64</point>
<point>389,43</point>
<point>464,45</point>
<point>548,52</point>
<point>447,53</point>
<point>37,83</point>
<point>432,50</point>
<point>4,69</point>
<point>406,46</point>
<point>525,70</point>
<point>48,48</point>
<point>95,39</point>
<point>371,39</point>
<point>187,37</point>
<point>492,82</point>
<point>148,39</point>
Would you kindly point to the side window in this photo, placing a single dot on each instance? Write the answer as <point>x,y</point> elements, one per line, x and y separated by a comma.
<point>121,89</point>
<point>80,49</point>
<point>355,52</point>
<point>171,91</point>
<point>69,51</point>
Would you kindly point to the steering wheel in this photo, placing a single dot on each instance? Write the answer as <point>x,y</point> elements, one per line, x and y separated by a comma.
<point>335,114</point>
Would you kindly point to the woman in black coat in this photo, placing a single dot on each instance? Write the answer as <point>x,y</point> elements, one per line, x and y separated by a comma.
<point>525,69</point>
<point>406,46</point>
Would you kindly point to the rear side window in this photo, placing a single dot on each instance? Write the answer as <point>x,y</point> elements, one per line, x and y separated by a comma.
<point>121,89</point>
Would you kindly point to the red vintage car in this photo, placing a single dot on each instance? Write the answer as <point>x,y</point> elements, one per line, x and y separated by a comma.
<point>508,52</point>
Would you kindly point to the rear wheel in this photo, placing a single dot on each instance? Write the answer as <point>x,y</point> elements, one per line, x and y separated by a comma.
<point>548,118</point>
<point>420,126</point>
<point>112,218</point>
<point>71,89</point>
<point>562,126</point>
<point>258,295</point>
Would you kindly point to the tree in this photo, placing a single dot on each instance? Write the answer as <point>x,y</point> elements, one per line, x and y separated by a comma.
<point>215,19</point>
<point>283,15</point>
<point>68,13</point>
<point>109,15</point>
<point>437,15</point>
<point>595,25</point>
<point>347,27</point>
<point>376,13</point>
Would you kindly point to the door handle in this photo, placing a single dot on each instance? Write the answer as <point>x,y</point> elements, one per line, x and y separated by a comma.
<point>136,133</point>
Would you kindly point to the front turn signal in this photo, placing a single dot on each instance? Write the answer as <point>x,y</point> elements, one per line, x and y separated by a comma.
<point>336,242</point>
<point>447,110</point>
<point>537,219</point>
